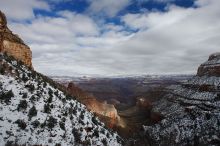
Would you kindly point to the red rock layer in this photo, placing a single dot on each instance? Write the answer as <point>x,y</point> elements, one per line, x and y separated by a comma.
<point>12,45</point>
<point>107,112</point>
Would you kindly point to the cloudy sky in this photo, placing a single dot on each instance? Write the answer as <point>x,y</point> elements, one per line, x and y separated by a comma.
<point>116,37</point>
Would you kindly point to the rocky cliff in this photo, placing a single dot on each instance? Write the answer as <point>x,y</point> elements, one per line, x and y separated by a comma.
<point>210,67</point>
<point>101,109</point>
<point>191,111</point>
<point>12,45</point>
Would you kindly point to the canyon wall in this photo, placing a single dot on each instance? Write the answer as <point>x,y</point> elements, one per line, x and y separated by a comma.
<point>12,45</point>
<point>210,67</point>
<point>191,111</point>
<point>101,109</point>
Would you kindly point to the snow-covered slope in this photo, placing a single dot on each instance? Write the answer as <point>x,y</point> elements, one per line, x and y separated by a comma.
<point>34,112</point>
<point>191,110</point>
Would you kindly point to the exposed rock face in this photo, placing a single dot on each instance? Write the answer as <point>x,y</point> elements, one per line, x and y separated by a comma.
<point>191,111</point>
<point>102,109</point>
<point>210,67</point>
<point>12,44</point>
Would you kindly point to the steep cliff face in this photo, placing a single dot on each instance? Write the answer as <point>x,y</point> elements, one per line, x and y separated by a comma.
<point>210,67</point>
<point>12,44</point>
<point>191,111</point>
<point>101,109</point>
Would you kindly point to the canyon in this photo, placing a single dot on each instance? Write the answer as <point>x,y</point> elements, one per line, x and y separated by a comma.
<point>132,98</point>
<point>163,110</point>
<point>106,112</point>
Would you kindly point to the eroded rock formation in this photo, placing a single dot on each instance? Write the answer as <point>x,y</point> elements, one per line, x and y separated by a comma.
<point>12,45</point>
<point>101,109</point>
<point>191,111</point>
<point>210,67</point>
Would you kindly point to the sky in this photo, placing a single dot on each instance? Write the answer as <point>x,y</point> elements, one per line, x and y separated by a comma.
<point>116,37</point>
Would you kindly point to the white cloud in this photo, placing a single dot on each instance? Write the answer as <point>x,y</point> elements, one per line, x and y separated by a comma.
<point>156,19</point>
<point>107,7</point>
<point>176,41</point>
<point>81,24</point>
<point>65,44</point>
<point>22,9</point>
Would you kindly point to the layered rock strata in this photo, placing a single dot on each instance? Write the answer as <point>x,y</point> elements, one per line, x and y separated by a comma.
<point>191,111</point>
<point>101,109</point>
<point>12,45</point>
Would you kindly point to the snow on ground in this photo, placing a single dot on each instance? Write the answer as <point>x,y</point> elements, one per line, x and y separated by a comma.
<point>34,112</point>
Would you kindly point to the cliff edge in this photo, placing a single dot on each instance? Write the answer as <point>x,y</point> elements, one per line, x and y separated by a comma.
<point>12,45</point>
<point>191,111</point>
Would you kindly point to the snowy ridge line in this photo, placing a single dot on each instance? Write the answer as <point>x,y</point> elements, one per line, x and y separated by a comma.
<point>33,112</point>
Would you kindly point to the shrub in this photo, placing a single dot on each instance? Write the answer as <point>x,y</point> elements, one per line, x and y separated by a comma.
<point>32,112</point>
<point>44,84</point>
<point>86,142</point>
<point>94,120</point>
<point>82,115</point>
<point>81,122</point>
<point>65,113</point>
<point>24,78</point>
<point>64,100</point>
<point>103,131</point>
<point>33,99</point>
<point>104,141</point>
<point>51,106</point>
<point>108,135</point>
<point>20,63</point>
<point>47,108</point>
<point>9,143</point>
<point>35,124</point>
<point>118,139</point>
<point>50,92</point>
<point>34,74</point>
<point>51,122</point>
<point>77,135</point>
<point>62,125</point>
<point>6,96</point>
<point>29,75</point>
<point>30,87</point>
<point>56,93</point>
<point>22,105</point>
<point>50,99</point>
<point>21,124</point>
<point>2,70</point>
<point>71,117</point>
<point>96,133</point>
<point>42,125</point>
<point>74,111</point>
<point>24,95</point>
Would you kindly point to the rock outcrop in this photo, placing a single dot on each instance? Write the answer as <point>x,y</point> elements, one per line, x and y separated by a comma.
<point>191,111</point>
<point>101,109</point>
<point>12,45</point>
<point>210,67</point>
